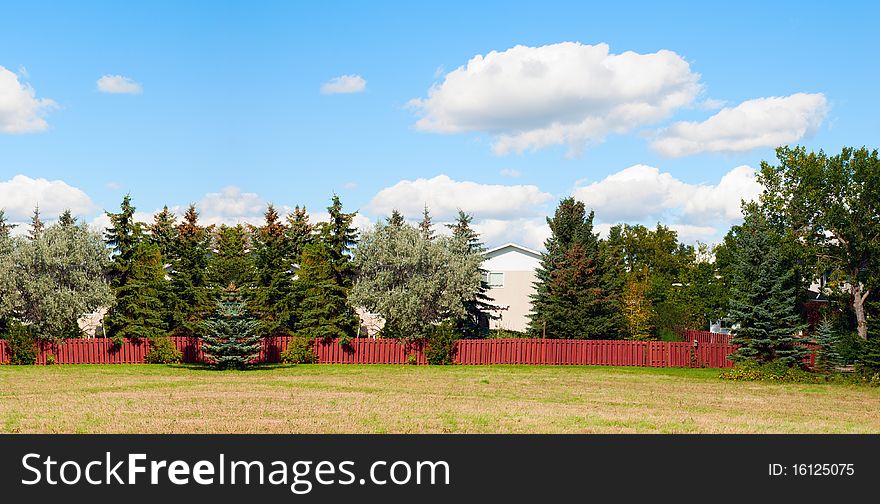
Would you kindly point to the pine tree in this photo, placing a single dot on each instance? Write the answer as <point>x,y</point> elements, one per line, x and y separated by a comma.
<point>827,339</point>
<point>67,219</point>
<point>231,261</point>
<point>300,232</point>
<point>425,226</point>
<point>763,298</point>
<point>479,310</point>
<point>5,227</point>
<point>323,310</point>
<point>189,261</point>
<point>395,219</point>
<point>138,312</point>
<point>273,300</point>
<point>340,237</point>
<point>136,278</point>
<point>231,339</point>
<point>37,225</point>
<point>163,232</point>
<point>572,299</point>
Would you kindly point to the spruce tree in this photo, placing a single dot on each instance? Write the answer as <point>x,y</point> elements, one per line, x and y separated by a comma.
<point>300,232</point>
<point>572,299</point>
<point>67,219</point>
<point>395,219</point>
<point>339,237</point>
<point>425,226</point>
<point>763,297</point>
<point>138,311</point>
<point>827,340</point>
<point>323,310</point>
<point>480,309</point>
<point>163,232</point>
<point>231,339</point>
<point>37,226</point>
<point>231,261</point>
<point>273,263</point>
<point>189,261</point>
<point>5,227</point>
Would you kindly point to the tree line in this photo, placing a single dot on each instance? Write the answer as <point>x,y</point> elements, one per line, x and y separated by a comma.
<point>816,219</point>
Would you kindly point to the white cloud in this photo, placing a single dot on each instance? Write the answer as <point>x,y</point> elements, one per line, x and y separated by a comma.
<point>20,110</point>
<point>762,122</point>
<point>444,196</point>
<point>20,194</point>
<point>530,232</point>
<point>643,194</point>
<point>566,93</point>
<point>344,84</point>
<point>509,172</point>
<point>117,84</point>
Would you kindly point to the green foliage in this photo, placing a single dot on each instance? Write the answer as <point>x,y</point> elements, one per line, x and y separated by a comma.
<point>779,372</point>
<point>413,282</point>
<point>190,303</point>
<point>828,341</point>
<point>507,334</point>
<point>869,360</point>
<point>763,301</point>
<point>273,301</point>
<point>138,311</point>
<point>637,309</point>
<point>22,344</point>
<point>573,298</point>
<point>231,339</point>
<point>441,343</point>
<point>323,309</point>
<point>300,232</point>
<point>163,232</point>
<point>50,359</point>
<point>163,351</point>
<point>299,351</point>
<point>230,261</point>
<point>52,280</point>
<point>479,310</point>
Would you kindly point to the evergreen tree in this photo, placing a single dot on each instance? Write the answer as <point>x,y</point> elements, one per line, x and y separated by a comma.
<point>827,339</point>
<point>231,339</point>
<point>572,299</point>
<point>323,310</point>
<point>480,309</point>
<point>425,226</point>
<point>340,237</point>
<point>231,261</point>
<point>67,219</point>
<point>189,261</point>
<point>136,278</point>
<point>37,226</point>
<point>395,219</point>
<point>5,227</point>
<point>138,312</point>
<point>763,299</point>
<point>163,232</point>
<point>300,232</point>
<point>273,300</point>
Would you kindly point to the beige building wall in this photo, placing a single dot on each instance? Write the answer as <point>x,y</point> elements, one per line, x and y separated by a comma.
<point>515,297</point>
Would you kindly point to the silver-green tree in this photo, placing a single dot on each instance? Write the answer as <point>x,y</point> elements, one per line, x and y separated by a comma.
<point>231,339</point>
<point>414,282</point>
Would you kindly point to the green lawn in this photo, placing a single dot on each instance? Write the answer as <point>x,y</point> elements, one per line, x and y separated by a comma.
<point>380,399</point>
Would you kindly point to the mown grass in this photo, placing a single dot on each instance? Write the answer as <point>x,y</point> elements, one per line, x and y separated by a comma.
<point>419,399</point>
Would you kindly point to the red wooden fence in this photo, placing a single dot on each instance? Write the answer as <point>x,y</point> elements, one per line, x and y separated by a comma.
<point>381,351</point>
<point>690,335</point>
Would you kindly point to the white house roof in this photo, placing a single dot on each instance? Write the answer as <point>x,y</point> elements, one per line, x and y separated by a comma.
<point>492,252</point>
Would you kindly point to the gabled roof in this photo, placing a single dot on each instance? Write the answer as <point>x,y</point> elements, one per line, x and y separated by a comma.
<point>500,249</point>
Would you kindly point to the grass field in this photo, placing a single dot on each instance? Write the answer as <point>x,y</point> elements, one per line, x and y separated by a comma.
<point>419,399</point>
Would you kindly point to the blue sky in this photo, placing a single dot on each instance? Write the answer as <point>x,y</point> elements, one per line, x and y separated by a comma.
<point>228,111</point>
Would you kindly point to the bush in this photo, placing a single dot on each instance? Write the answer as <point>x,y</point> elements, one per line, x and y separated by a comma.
<point>163,351</point>
<point>441,344</point>
<point>749,370</point>
<point>50,359</point>
<point>299,351</point>
<point>22,345</point>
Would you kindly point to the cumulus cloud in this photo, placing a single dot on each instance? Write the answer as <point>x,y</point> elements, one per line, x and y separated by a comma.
<point>20,110</point>
<point>444,196</point>
<point>762,122</point>
<point>530,232</point>
<point>21,193</point>
<point>117,84</point>
<point>644,194</point>
<point>344,84</point>
<point>566,93</point>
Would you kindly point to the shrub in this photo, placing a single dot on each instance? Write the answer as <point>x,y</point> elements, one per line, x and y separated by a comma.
<point>749,370</point>
<point>869,361</point>
<point>50,359</point>
<point>22,346</point>
<point>299,351</point>
<point>441,344</point>
<point>163,351</point>
<point>412,359</point>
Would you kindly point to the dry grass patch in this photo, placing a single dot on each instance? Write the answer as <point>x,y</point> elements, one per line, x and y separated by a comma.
<point>392,399</point>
